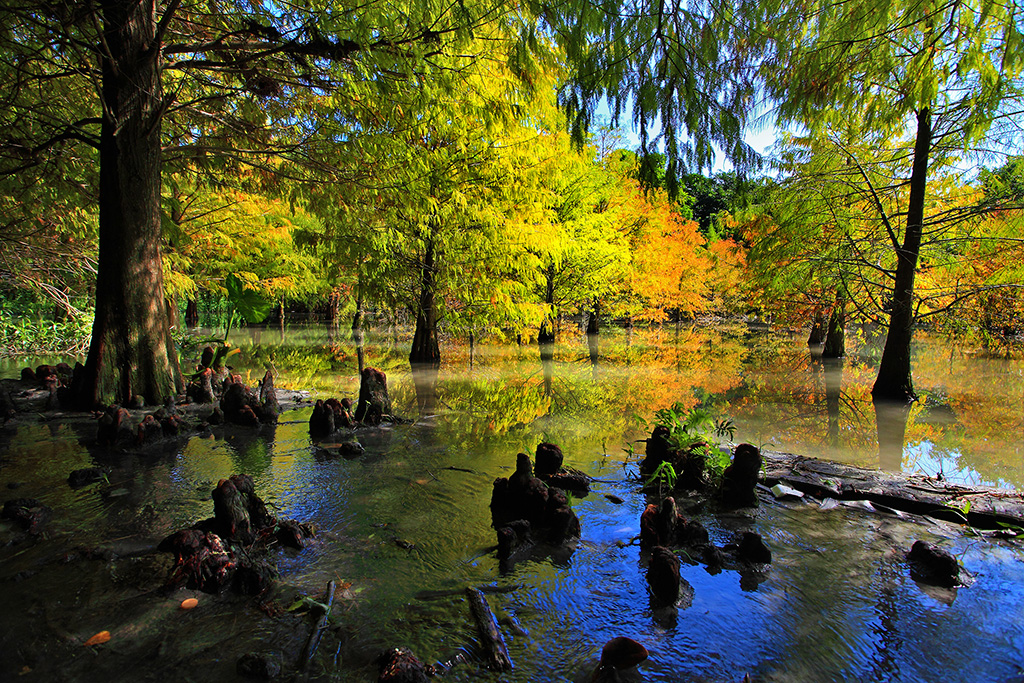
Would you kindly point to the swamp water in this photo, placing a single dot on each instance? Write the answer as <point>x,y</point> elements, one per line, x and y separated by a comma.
<point>408,522</point>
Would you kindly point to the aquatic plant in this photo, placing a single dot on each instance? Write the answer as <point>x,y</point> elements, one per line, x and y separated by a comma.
<point>697,432</point>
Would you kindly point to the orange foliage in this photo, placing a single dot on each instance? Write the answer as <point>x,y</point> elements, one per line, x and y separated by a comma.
<point>728,276</point>
<point>670,264</point>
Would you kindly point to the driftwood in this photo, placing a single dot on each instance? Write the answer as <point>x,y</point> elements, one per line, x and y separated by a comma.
<point>980,507</point>
<point>490,637</point>
<point>318,629</point>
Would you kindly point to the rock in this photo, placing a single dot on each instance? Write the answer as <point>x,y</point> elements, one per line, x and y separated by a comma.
<point>739,481</point>
<point>750,547</point>
<point>85,476</point>
<point>663,575</point>
<point>399,665</point>
<point>783,491</point>
<point>28,375</point>
<point>351,449</point>
<point>549,459</point>
<point>932,565</point>
<point>264,665</point>
<point>28,513</point>
<point>622,653</point>
<point>374,401</point>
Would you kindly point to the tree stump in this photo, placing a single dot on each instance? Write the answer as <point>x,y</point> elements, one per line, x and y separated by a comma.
<point>739,481</point>
<point>374,401</point>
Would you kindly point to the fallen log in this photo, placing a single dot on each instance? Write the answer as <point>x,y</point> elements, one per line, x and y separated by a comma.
<point>496,653</point>
<point>978,506</point>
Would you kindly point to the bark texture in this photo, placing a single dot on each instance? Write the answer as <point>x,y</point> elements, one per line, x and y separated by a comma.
<point>835,336</point>
<point>425,349</point>
<point>894,382</point>
<point>132,352</point>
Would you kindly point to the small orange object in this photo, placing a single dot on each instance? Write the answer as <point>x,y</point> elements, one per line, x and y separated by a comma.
<point>98,639</point>
<point>189,603</point>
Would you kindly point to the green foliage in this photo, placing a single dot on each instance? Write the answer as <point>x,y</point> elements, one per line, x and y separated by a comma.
<point>23,334</point>
<point>694,424</point>
<point>695,431</point>
<point>663,475</point>
<point>252,306</point>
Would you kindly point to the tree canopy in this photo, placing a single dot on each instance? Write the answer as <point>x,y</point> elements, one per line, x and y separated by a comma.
<point>445,160</point>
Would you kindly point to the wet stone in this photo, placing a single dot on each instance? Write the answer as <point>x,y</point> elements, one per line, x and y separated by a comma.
<point>263,666</point>
<point>750,547</point>
<point>85,476</point>
<point>663,575</point>
<point>932,565</point>
<point>28,513</point>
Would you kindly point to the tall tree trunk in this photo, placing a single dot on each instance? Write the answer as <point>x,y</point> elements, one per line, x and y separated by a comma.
<point>357,317</point>
<point>132,352</point>
<point>835,336</point>
<point>546,335</point>
<point>817,334</point>
<point>894,382</point>
<point>594,323</point>
<point>192,312</point>
<point>425,348</point>
<point>357,325</point>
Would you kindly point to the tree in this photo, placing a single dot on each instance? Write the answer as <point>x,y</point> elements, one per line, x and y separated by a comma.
<point>243,85</point>
<point>681,66</point>
<point>947,73</point>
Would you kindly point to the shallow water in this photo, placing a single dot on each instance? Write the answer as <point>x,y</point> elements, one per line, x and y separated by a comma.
<point>836,605</point>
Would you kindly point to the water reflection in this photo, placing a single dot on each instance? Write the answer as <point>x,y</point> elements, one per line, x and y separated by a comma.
<point>967,425</point>
<point>833,374</point>
<point>891,421</point>
<point>777,394</point>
